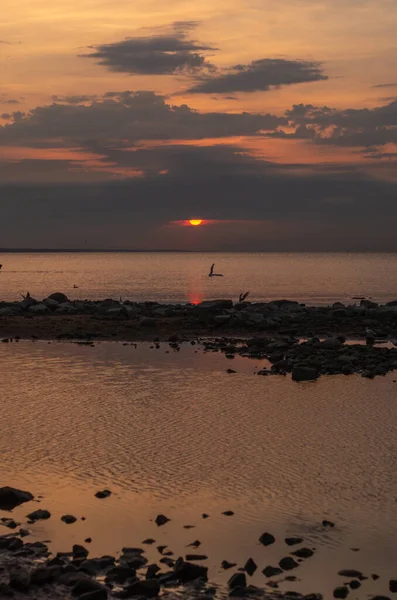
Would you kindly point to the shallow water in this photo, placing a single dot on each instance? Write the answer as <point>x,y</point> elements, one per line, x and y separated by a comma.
<point>171,432</point>
<point>183,277</point>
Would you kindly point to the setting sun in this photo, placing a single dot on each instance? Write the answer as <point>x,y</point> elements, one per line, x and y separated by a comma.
<point>195,221</point>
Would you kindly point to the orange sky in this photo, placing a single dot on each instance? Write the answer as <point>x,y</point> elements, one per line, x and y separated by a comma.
<point>43,52</point>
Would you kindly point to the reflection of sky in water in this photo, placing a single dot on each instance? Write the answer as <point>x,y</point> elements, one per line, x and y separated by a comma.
<point>172,432</point>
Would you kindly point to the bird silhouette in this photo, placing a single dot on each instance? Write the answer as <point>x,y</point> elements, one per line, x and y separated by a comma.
<point>212,274</point>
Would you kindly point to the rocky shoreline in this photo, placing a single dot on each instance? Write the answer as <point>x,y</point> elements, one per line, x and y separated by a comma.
<point>30,569</point>
<point>272,330</point>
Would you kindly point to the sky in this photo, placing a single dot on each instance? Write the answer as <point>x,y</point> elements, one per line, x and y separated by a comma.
<point>273,122</point>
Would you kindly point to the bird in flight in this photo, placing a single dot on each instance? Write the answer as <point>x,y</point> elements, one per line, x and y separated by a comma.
<point>212,274</point>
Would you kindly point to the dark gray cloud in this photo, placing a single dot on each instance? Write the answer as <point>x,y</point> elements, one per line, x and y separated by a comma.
<point>364,127</point>
<point>164,53</point>
<point>327,207</point>
<point>129,117</point>
<point>259,75</point>
<point>385,85</point>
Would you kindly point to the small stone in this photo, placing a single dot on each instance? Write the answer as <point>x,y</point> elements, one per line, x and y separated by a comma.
<point>148,588</point>
<point>196,557</point>
<point>351,573</point>
<point>303,553</point>
<point>188,526</point>
<point>393,586</point>
<point>103,494</point>
<point>271,571</point>
<point>227,565</point>
<point>326,523</point>
<point>230,371</point>
<point>149,541</point>
<point>354,584</point>
<point>79,551</point>
<point>24,532</point>
<point>341,592</point>
<point>293,541</point>
<point>228,513</point>
<point>161,520</point>
<point>68,519</point>
<point>250,566</point>
<point>374,576</point>
<point>267,538</point>
<point>288,563</point>
<point>95,595</point>
<point>88,540</point>
<point>194,544</point>
<point>205,516</point>
<point>186,571</point>
<point>38,515</point>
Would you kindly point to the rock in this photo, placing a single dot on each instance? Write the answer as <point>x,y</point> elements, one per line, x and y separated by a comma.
<point>369,304</point>
<point>152,571</point>
<point>237,580</point>
<point>9,523</point>
<point>39,515</point>
<point>205,516</point>
<point>5,591</point>
<point>222,319</point>
<point>293,541</point>
<point>214,305</point>
<point>87,585</point>
<point>194,544</point>
<point>331,343</point>
<point>20,582</point>
<point>10,498</point>
<point>326,523</point>
<point>58,297</point>
<point>68,519</point>
<point>351,573</point>
<point>374,576</point>
<point>250,566</point>
<point>341,592</point>
<point>149,588</point>
<point>185,571</point>
<point>39,309</point>
<point>303,373</point>
<point>271,571</point>
<point>95,595</point>
<point>267,538</point>
<point>303,553</point>
<point>230,371</point>
<point>43,575</point>
<point>103,494</point>
<point>288,563</point>
<point>120,574</point>
<point>50,303</point>
<point>149,541</point>
<point>227,565</point>
<point>24,532</point>
<point>380,598</point>
<point>354,584</point>
<point>148,322</point>
<point>88,540</point>
<point>228,513</point>
<point>161,520</point>
<point>79,551</point>
<point>393,586</point>
<point>196,557</point>
<point>13,544</point>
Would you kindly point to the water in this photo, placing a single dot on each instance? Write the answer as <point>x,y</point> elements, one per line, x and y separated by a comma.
<point>183,277</point>
<point>171,432</point>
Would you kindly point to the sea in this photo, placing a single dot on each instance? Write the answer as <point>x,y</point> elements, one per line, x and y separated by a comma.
<point>171,432</point>
<point>178,277</point>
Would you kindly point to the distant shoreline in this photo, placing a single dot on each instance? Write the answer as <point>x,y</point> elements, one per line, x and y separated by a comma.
<point>179,251</point>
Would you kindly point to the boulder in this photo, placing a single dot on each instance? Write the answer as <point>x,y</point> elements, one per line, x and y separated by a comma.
<point>303,553</point>
<point>12,497</point>
<point>38,515</point>
<point>267,538</point>
<point>215,305</point>
<point>304,373</point>
<point>58,297</point>
<point>186,571</point>
<point>39,309</point>
<point>237,580</point>
<point>293,541</point>
<point>393,586</point>
<point>341,592</point>
<point>288,563</point>
<point>149,588</point>
<point>50,303</point>
<point>271,571</point>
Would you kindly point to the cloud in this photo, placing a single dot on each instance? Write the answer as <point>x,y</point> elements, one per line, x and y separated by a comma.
<point>385,85</point>
<point>165,53</point>
<point>77,99</point>
<point>129,117</point>
<point>259,75</point>
<point>364,127</point>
